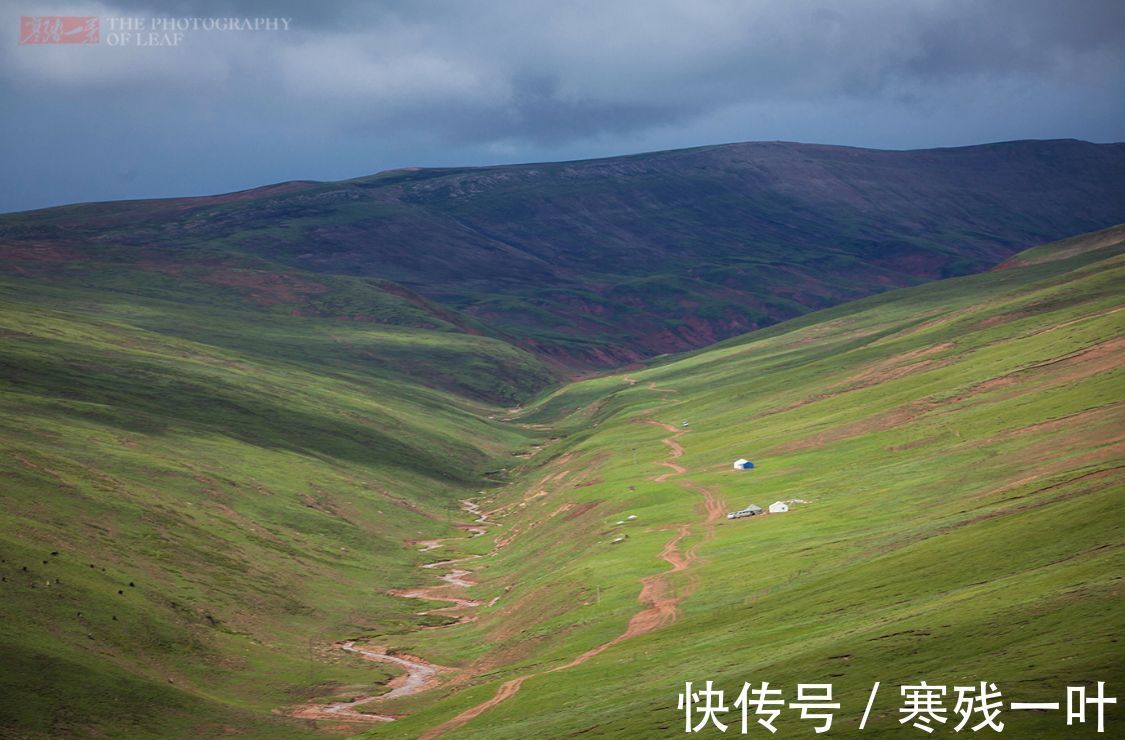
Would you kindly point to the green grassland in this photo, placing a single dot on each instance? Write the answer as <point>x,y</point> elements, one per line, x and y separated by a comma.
<point>229,491</point>
<point>958,446</point>
<point>599,263</point>
<point>232,485</point>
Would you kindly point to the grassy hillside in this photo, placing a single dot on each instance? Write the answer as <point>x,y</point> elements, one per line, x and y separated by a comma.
<point>598,263</point>
<point>955,454</point>
<point>199,498</point>
<point>205,490</point>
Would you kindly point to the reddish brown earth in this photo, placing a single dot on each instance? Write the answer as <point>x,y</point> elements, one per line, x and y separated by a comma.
<point>634,256</point>
<point>676,450</point>
<point>660,599</point>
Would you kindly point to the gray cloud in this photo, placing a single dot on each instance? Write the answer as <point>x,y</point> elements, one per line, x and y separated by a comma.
<point>354,87</point>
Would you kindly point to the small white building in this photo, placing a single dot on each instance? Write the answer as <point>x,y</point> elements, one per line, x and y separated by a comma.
<point>743,464</point>
<point>779,507</point>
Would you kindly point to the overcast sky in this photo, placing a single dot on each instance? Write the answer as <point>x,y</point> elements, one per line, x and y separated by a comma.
<point>355,87</point>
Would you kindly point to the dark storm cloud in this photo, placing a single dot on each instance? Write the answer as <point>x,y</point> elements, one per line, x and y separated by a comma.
<point>354,86</point>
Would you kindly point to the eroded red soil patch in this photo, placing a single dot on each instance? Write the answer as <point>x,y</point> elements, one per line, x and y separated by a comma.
<point>660,600</point>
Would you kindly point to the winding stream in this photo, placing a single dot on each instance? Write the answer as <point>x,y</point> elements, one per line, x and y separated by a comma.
<point>420,675</point>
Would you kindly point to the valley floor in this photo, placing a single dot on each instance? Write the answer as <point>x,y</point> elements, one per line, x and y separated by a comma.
<point>951,454</point>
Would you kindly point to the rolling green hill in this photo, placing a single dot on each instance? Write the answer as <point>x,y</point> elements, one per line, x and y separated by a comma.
<point>597,263</point>
<point>199,498</point>
<point>954,457</point>
<point>215,470</point>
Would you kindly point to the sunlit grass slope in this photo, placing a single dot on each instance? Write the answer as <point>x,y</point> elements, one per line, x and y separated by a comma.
<point>199,497</point>
<point>957,448</point>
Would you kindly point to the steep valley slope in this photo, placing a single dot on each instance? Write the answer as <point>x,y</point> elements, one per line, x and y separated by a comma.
<point>303,459</point>
<point>597,263</point>
<point>214,513</point>
<point>952,456</point>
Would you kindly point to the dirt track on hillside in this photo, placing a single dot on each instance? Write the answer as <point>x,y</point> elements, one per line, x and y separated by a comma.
<point>657,594</point>
<point>659,597</point>
<point>676,450</point>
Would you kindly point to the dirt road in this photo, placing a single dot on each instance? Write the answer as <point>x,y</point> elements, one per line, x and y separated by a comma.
<point>658,597</point>
<point>661,602</point>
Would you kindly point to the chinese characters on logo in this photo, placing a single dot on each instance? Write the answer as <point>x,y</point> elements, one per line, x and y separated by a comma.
<point>59,29</point>
<point>923,706</point>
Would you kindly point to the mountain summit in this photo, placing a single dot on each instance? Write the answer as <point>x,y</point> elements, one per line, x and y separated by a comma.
<point>602,262</point>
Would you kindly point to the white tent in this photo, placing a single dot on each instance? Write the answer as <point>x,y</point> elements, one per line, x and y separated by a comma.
<point>779,507</point>
<point>740,463</point>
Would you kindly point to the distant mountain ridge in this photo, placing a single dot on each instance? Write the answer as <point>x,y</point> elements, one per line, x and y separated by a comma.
<point>598,263</point>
